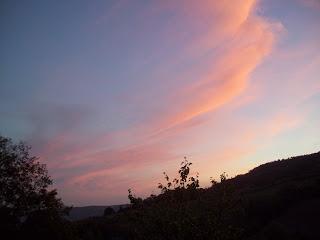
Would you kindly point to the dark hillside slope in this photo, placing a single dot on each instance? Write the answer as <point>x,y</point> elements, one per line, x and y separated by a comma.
<point>277,200</point>
<point>282,198</point>
<point>281,171</point>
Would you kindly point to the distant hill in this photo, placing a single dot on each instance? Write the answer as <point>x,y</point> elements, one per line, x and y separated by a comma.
<point>79,213</point>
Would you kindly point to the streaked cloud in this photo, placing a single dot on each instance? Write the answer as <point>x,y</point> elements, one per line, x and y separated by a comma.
<point>140,85</point>
<point>235,41</point>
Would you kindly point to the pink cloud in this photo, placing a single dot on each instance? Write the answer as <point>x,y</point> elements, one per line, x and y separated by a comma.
<point>240,41</point>
<point>228,74</point>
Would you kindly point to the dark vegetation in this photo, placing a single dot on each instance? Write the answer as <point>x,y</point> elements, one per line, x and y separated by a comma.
<point>277,200</point>
<point>28,208</point>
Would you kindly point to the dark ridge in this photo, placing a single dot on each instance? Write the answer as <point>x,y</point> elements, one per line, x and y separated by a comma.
<point>79,213</point>
<point>280,171</point>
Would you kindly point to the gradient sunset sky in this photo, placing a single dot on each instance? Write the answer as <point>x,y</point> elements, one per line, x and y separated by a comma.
<point>112,93</point>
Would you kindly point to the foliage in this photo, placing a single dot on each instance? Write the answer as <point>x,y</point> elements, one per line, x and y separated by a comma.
<point>24,188</point>
<point>183,182</point>
<point>184,211</point>
<point>24,181</point>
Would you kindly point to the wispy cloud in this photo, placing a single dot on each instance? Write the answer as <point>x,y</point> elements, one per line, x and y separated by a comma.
<point>195,110</point>
<point>228,39</point>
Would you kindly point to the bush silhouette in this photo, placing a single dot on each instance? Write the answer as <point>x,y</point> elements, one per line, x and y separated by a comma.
<point>108,211</point>
<point>183,181</point>
<point>184,211</point>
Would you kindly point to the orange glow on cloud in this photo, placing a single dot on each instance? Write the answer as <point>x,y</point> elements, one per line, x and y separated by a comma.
<point>240,40</point>
<point>246,40</point>
<point>127,88</point>
<point>244,48</point>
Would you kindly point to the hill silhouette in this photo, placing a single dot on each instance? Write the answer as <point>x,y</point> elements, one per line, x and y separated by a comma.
<point>277,200</point>
<point>79,213</point>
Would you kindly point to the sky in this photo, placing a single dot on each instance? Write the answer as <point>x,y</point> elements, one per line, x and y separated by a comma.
<point>110,94</point>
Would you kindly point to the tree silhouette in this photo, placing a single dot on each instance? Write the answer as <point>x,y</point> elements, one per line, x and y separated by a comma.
<point>108,211</point>
<point>183,210</point>
<point>184,181</point>
<point>24,183</point>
